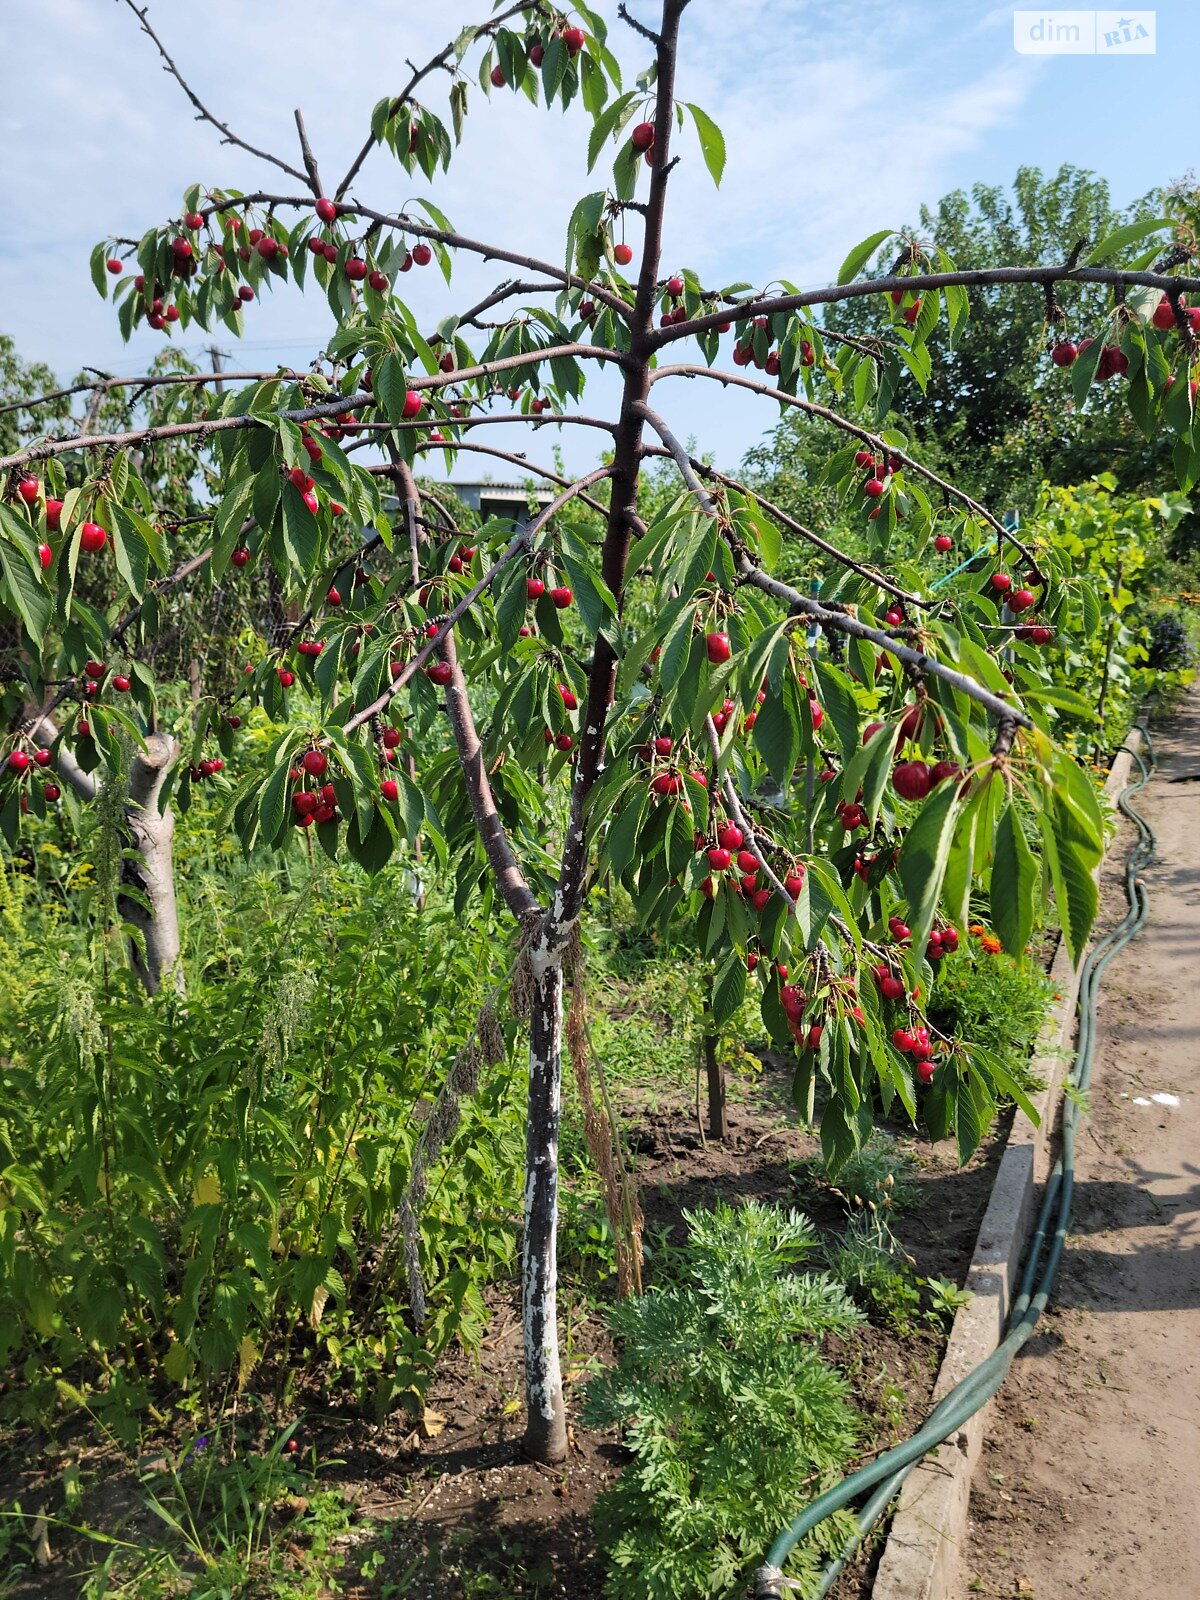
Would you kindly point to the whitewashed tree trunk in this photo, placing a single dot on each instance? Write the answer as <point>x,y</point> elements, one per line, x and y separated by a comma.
<point>546,1422</point>
<point>151,834</point>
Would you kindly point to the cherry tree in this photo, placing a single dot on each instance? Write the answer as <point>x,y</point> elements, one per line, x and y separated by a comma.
<point>819,785</point>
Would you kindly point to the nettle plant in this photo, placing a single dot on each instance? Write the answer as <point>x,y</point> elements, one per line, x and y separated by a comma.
<point>593,693</point>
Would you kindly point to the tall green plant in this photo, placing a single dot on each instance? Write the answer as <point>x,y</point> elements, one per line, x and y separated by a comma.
<point>728,1407</point>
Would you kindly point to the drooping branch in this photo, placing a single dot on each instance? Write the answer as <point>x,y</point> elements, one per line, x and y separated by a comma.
<point>802,604</point>
<point>703,470</point>
<point>203,114</point>
<point>855,430</point>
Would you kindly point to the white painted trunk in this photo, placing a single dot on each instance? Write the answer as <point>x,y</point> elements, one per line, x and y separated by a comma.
<point>546,1424</point>
<point>153,833</point>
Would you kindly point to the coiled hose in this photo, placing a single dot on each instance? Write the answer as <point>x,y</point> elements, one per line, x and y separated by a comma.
<point>885,1476</point>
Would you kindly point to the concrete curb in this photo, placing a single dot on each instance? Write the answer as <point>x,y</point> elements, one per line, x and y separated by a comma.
<point>921,1557</point>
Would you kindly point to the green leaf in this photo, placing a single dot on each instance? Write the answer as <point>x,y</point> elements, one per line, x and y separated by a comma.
<point>861,254</point>
<point>729,988</point>
<point>1120,237</point>
<point>1075,893</point>
<point>1015,877</point>
<point>777,732</point>
<point>25,592</point>
<point>923,858</point>
<point>97,262</point>
<point>389,384</point>
<point>301,535</point>
<point>712,142</point>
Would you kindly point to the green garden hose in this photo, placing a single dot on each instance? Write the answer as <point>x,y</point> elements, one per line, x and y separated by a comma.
<point>885,1475</point>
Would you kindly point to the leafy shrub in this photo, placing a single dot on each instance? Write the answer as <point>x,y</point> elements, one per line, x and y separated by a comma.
<point>1169,649</point>
<point>728,1407</point>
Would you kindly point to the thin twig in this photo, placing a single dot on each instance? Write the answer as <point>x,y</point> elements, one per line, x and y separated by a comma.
<point>203,114</point>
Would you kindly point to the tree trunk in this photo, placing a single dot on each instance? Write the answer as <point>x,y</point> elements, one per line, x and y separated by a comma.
<point>546,1425</point>
<point>717,1126</point>
<point>153,833</point>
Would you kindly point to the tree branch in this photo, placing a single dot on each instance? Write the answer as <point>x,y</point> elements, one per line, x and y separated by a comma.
<point>323,408</point>
<point>801,603</point>
<point>980,277</point>
<point>439,60</point>
<point>203,114</point>
<point>827,414</point>
<point>519,542</point>
<point>310,161</point>
<point>703,470</point>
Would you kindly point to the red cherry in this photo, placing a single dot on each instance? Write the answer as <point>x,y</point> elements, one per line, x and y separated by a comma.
<point>45,555</point>
<point>562,597</point>
<point>245,293</point>
<point>378,281</point>
<point>910,313</point>
<point>622,254</point>
<point>873,488</point>
<point>794,882</point>
<point>355,269</point>
<point>903,1040</point>
<point>564,741</point>
<point>268,247</point>
<point>747,861</point>
<point>574,39</point>
<point>412,405</point>
<point>29,489</point>
<point>910,779</point>
<point>925,1072</point>
<point>718,647</point>
<point>43,757</point>
<point>114,266</point>
<point>84,730</point>
<point>310,500</point>
<point>51,792</point>
<point>181,248</point>
<point>1021,600</point>
<point>326,209</point>
<point>315,763</point>
<point>761,899</point>
<point>537,54</point>
<point>18,760</point>
<point>943,543</point>
<point>240,556</point>
<point>1001,582</point>
<point>422,254</point>
<point>439,672</point>
<point>92,537</point>
<point>497,76</point>
<point>286,677</point>
<point>121,683</point>
<point>719,859</point>
<point>817,712</point>
<point>1064,353</point>
<point>943,770</point>
<point>729,836</point>
<point>534,588</point>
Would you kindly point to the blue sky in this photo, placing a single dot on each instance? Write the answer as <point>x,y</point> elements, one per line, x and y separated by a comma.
<point>840,119</point>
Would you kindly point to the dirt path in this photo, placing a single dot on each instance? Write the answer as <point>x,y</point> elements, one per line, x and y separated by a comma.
<point>1089,1484</point>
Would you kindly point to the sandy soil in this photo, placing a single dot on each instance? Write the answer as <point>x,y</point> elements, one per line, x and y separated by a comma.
<point>1089,1484</point>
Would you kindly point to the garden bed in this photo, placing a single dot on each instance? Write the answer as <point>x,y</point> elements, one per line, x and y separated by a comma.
<point>455,1498</point>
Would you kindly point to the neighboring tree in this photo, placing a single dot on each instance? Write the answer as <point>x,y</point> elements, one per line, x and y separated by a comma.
<point>654,710</point>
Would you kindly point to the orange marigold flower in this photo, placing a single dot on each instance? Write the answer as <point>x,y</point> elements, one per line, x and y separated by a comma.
<point>991,944</point>
<point>977,928</point>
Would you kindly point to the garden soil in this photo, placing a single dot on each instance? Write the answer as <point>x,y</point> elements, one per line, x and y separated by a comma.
<point>1089,1482</point>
